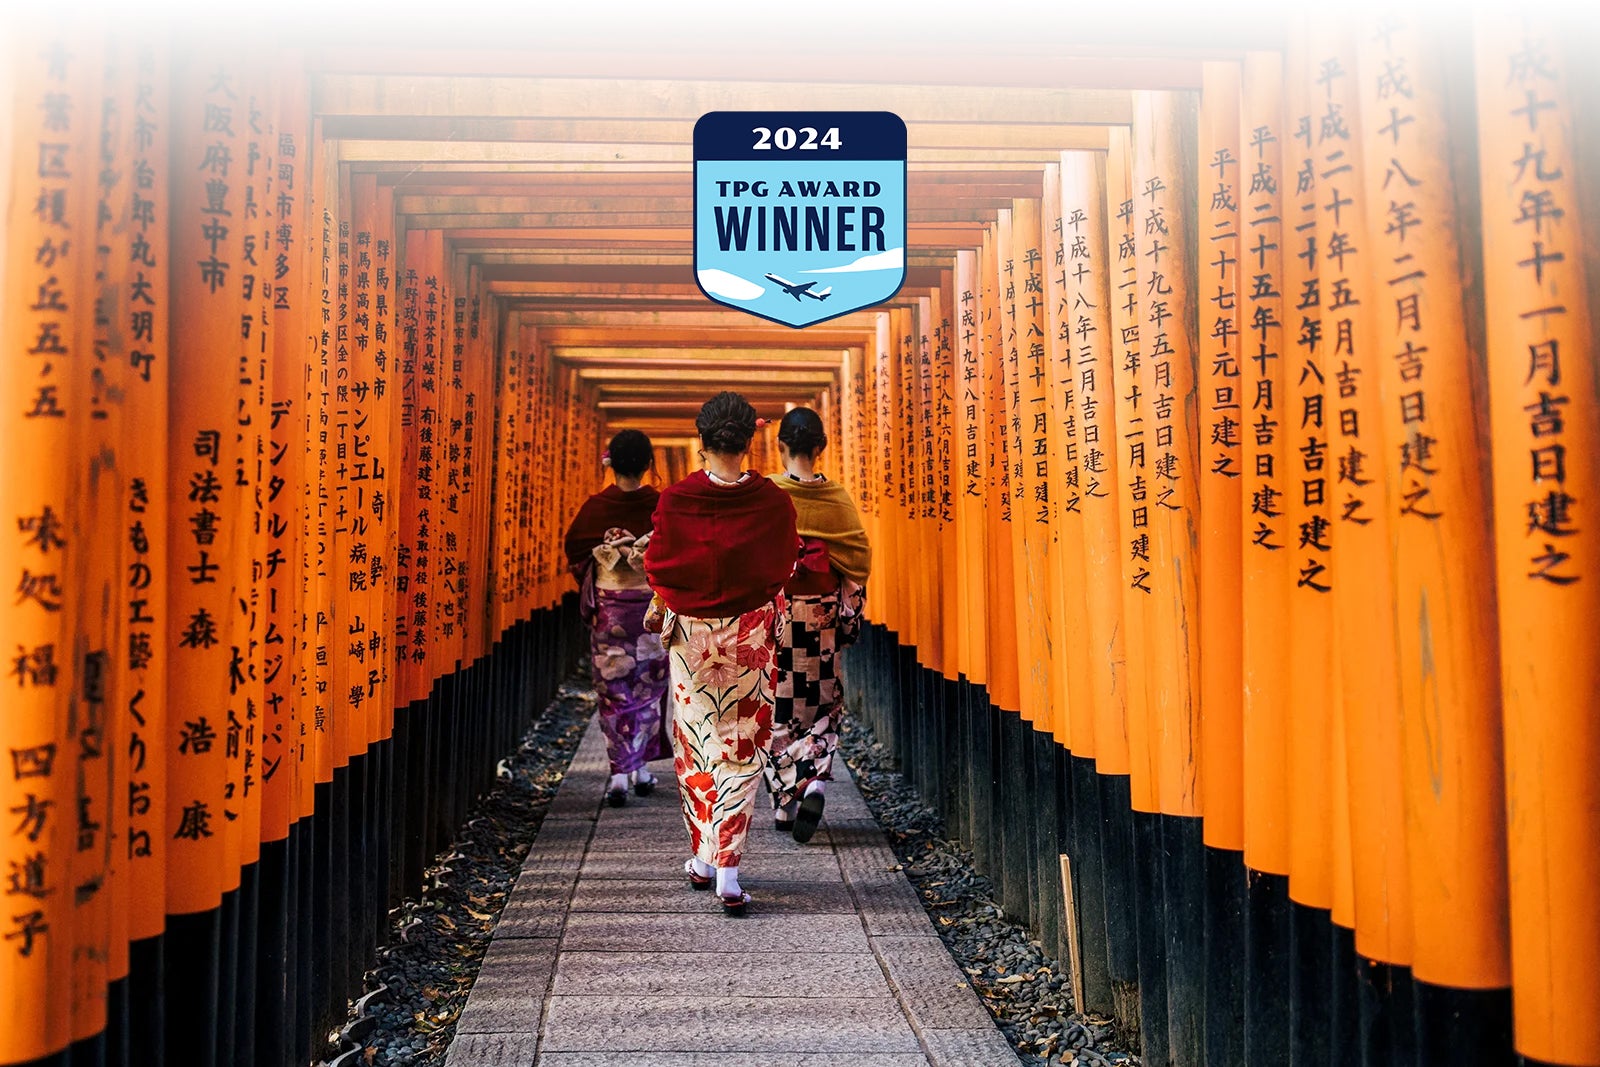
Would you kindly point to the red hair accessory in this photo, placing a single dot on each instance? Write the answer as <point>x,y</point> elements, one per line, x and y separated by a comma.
<point>605,458</point>
<point>760,423</point>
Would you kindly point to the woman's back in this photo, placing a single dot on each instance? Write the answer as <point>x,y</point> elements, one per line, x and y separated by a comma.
<point>721,549</point>
<point>824,511</point>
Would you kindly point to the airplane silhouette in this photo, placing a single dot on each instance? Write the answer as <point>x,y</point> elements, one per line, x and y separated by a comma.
<point>795,290</point>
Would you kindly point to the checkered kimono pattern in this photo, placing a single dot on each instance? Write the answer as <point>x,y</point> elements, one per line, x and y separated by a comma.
<point>722,673</point>
<point>810,698</point>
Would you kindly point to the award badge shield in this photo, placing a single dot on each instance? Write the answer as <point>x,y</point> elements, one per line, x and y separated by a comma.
<point>799,216</point>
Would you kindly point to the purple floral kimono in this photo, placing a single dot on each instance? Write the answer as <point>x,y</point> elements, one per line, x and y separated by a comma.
<point>630,666</point>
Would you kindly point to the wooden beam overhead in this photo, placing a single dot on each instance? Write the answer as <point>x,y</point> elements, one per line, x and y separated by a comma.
<point>403,128</point>
<point>633,153</point>
<point>645,98</point>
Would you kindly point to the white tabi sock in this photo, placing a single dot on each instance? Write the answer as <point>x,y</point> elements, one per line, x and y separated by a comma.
<point>728,881</point>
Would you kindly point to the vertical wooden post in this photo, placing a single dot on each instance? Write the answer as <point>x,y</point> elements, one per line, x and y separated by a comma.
<point>1163,194</point>
<point>1225,456</point>
<point>972,459</point>
<point>1004,680</point>
<point>1434,433</point>
<point>1267,543</point>
<point>1021,282</point>
<point>1357,489</point>
<point>1162,215</point>
<point>101,884</point>
<point>144,352</point>
<point>1133,442</point>
<point>1220,192</point>
<point>1087,292</point>
<point>48,154</point>
<point>1073,658</point>
<point>1539,291</point>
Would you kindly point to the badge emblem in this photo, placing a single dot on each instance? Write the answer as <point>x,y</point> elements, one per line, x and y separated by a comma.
<point>799,216</point>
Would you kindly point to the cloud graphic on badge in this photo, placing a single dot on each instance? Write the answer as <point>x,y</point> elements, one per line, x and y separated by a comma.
<point>894,259</point>
<point>729,286</point>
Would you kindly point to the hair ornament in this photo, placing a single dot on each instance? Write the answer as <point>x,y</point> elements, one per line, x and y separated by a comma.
<point>605,458</point>
<point>761,423</point>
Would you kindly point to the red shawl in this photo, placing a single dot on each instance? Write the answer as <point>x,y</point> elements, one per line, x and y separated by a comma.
<point>608,508</point>
<point>720,551</point>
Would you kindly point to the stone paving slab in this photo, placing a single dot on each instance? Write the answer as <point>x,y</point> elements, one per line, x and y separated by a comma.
<point>969,1048</point>
<point>493,1050</point>
<point>726,1024</point>
<point>667,834</point>
<point>710,931</point>
<point>513,981</point>
<point>790,976</point>
<point>668,866</point>
<point>605,957</point>
<point>795,899</point>
<point>933,990</point>
<point>733,1059</point>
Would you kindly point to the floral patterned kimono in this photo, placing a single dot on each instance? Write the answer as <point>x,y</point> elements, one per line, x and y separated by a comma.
<point>722,675</point>
<point>718,561</point>
<point>630,666</point>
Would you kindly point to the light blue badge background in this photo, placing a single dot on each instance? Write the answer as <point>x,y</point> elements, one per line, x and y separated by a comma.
<point>852,290</point>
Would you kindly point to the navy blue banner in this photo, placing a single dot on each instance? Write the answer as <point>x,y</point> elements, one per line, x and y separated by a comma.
<point>836,135</point>
<point>800,216</point>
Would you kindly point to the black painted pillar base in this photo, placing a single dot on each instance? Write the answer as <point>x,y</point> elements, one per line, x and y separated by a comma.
<point>1227,909</point>
<point>1311,1042</point>
<point>146,1003</point>
<point>1385,1030</point>
<point>1183,889</point>
<point>190,975</point>
<point>1267,970</point>
<point>1462,1027</point>
<point>1151,924</point>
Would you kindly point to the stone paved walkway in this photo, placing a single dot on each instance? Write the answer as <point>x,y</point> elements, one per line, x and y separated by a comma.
<point>604,957</point>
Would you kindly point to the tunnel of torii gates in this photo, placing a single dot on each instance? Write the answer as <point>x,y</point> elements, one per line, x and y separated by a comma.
<point>1225,458</point>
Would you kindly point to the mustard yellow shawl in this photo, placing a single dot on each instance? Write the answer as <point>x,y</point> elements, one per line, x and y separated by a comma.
<point>823,509</point>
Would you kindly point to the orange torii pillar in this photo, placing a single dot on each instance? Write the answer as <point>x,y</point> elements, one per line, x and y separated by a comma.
<point>1361,563</point>
<point>1319,992</point>
<point>1266,551</point>
<point>141,352</point>
<point>1004,675</point>
<point>1016,870</point>
<point>285,835</point>
<point>1539,216</point>
<point>1101,811</point>
<point>973,606</point>
<point>207,533</point>
<point>1172,865</point>
<point>1075,447</point>
<point>46,324</point>
<point>1435,430</point>
<point>1220,192</point>
<point>1136,793</point>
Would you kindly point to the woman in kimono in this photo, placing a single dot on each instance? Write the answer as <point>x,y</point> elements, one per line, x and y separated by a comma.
<point>605,548</point>
<point>724,546</point>
<point>825,597</point>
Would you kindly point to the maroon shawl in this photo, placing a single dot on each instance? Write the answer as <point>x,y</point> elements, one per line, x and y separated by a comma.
<point>608,508</point>
<point>720,551</point>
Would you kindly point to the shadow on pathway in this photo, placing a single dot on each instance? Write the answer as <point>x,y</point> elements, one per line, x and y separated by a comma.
<point>604,957</point>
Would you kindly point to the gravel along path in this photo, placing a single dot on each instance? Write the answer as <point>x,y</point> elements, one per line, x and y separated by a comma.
<point>438,937</point>
<point>1025,990</point>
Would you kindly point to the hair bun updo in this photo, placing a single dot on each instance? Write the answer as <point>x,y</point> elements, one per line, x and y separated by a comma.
<point>726,423</point>
<point>801,432</point>
<point>630,454</point>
